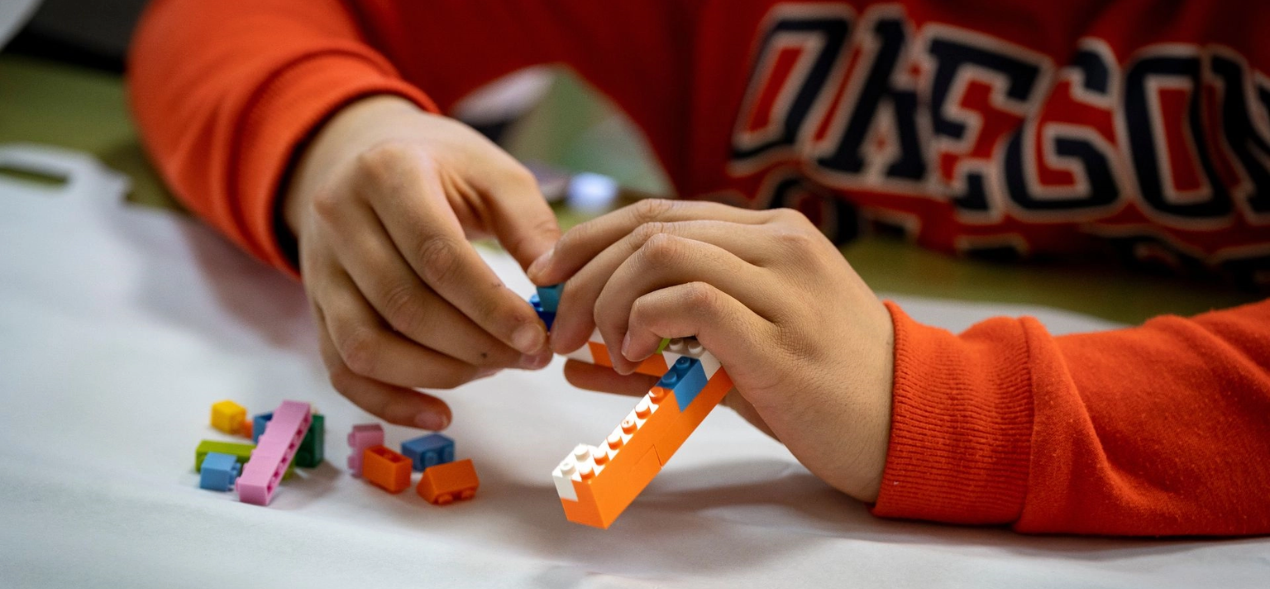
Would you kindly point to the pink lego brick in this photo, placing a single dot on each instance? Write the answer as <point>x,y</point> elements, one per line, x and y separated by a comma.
<point>274,451</point>
<point>362,437</point>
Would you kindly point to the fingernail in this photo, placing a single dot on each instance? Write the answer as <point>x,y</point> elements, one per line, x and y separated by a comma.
<point>431,421</point>
<point>540,264</point>
<point>626,344</point>
<point>529,339</point>
<point>535,361</point>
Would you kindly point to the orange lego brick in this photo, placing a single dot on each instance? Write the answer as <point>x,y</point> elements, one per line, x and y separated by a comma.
<point>446,483</point>
<point>596,483</point>
<point>600,353</point>
<point>386,469</point>
<point>654,365</point>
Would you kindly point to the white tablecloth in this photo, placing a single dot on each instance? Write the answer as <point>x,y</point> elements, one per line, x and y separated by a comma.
<point>120,326</point>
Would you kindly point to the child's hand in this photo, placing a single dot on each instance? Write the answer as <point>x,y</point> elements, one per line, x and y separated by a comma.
<point>380,203</point>
<point>807,343</point>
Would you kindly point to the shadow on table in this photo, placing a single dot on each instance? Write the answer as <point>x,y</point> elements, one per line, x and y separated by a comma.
<point>780,507</point>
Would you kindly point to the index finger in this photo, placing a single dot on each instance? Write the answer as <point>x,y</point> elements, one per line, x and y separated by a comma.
<point>584,242</point>
<point>412,205</point>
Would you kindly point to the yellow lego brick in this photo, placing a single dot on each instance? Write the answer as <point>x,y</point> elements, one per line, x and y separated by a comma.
<point>228,416</point>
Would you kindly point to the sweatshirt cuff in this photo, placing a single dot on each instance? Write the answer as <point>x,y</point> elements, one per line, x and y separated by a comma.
<point>961,423</point>
<point>288,110</point>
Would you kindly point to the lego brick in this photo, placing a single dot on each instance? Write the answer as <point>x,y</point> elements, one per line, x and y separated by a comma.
<point>549,297</point>
<point>228,416</point>
<point>600,354</point>
<point>312,450</point>
<point>362,437</point>
<point>665,341</point>
<point>386,469</point>
<point>429,450</point>
<point>258,425</point>
<point>548,316</point>
<point>240,452</point>
<point>274,453</point>
<point>445,483</point>
<point>604,480</point>
<point>219,471</point>
<point>690,383</point>
<point>654,365</point>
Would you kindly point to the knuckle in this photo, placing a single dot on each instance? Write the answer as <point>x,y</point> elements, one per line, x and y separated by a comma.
<point>383,158</point>
<point>699,297</point>
<point>662,249</point>
<point>651,209</point>
<point>439,256</point>
<point>402,308</point>
<point>649,230</point>
<point>359,350</point>
<point>327,204</point>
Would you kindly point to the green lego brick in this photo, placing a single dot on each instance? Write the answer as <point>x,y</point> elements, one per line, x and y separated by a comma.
<point>313,449</point>
<point>665,341</point>
<point>240,452</point>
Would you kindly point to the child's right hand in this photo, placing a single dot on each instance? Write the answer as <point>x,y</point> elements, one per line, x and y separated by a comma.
<point>806,342</point>
<point>381,203</point>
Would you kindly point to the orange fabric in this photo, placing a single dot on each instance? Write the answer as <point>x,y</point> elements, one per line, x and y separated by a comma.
<point>1162,429</point>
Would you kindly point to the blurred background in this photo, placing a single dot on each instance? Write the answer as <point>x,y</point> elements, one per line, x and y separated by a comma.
<point>61,85</point>
<point>583,150</point>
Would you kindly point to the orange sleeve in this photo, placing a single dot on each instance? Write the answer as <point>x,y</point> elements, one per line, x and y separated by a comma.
<point>1162,429</point>
<point>224,92</point>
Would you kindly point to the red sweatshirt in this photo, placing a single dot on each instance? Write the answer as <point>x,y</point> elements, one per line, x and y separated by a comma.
<point>986,128</point>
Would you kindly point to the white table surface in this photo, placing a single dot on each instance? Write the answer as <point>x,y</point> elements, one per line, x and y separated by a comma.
<point>120,326</point>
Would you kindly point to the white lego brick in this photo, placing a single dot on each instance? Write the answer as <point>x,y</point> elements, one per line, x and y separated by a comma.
<point>564,486</point>
<point>709,364</point>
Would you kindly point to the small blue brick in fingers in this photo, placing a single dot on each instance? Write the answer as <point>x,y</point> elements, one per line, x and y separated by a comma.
<point>548,317</point>
<point>550,297</point>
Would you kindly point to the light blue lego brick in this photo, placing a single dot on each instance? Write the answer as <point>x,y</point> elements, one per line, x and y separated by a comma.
<point>258,426</point>
<point>219,472</point>
<point>682,374</point>
<point>429,450</point>
<point>550,297</point>
<point>690,383</point>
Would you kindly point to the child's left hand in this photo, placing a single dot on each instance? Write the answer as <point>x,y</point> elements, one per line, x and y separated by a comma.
<point>807,344</point>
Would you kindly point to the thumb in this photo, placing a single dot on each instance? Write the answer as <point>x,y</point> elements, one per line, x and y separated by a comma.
<point>520,217</point>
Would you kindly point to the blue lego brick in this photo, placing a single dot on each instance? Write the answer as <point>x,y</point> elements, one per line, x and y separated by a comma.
<point>686,378</point>
<point>548,317</point>
<point>429,450</point>
<point>219,472</point>
<point>550,297</point>
<point>691,382</point>
<point>258,426</point>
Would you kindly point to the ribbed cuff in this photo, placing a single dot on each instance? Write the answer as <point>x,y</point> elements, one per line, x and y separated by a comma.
<point>289,109</point>
<point>961,423</point>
